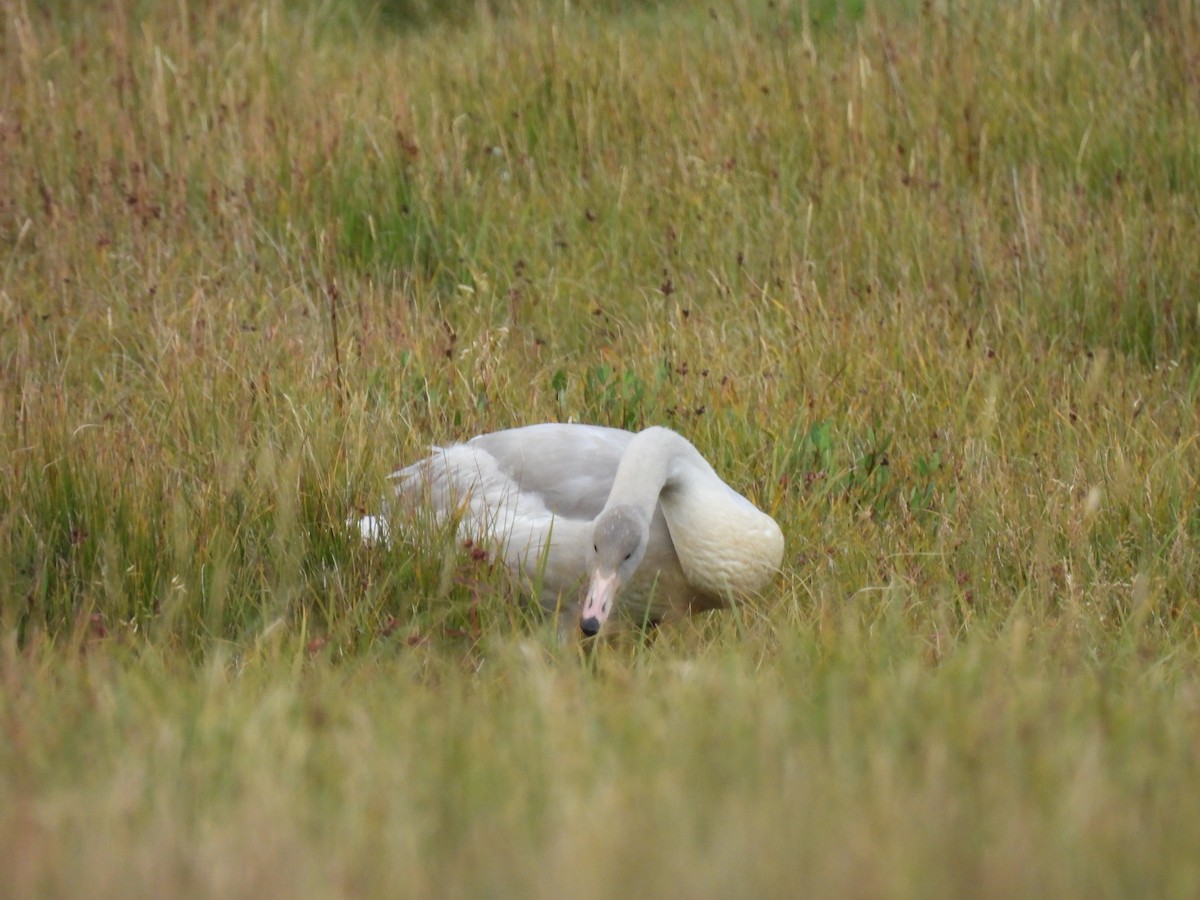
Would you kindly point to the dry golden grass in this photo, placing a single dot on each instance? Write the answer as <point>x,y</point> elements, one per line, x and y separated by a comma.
<point>922,281</point>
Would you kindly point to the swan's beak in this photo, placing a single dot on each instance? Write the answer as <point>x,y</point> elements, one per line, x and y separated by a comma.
<point>601,592</point>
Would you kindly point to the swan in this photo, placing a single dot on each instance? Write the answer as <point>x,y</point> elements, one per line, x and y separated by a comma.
<point>594,519</point>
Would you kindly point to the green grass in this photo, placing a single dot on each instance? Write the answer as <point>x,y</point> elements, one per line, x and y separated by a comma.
<point>919,279</point>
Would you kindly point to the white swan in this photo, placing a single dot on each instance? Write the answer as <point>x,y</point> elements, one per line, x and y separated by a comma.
<point>599,518</point>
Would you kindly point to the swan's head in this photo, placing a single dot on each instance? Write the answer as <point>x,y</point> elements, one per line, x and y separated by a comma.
<point>618,545</point>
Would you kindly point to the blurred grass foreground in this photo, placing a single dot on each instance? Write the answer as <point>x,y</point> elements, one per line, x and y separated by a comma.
<point>920,279</point>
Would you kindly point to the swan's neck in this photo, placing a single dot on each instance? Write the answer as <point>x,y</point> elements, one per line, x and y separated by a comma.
<point>656,459</point>
<point>726,546</point>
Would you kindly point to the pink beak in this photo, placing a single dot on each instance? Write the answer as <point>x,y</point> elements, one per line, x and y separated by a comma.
<point>601,592</point>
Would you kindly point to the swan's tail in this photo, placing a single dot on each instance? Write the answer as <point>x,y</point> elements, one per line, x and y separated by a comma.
<point>372,529</point>
<point>455,485</point>
<point>410,481</point>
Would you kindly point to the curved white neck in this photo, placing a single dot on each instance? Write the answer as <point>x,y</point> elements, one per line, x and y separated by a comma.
<point>724,543</point>
<point>657,459</point>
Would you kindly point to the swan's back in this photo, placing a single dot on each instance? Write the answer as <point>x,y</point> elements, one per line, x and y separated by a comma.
<point>569,467</point>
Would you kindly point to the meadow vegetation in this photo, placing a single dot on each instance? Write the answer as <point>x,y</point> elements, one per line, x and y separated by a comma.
<point>921,279</point>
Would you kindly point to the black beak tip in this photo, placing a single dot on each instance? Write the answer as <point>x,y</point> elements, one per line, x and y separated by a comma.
<point>589,626</point>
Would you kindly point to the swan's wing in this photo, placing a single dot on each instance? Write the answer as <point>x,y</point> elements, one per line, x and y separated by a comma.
<point>531,493</point>
<point>462,480</point>
<point>512,485</point>
<point>570,468</point>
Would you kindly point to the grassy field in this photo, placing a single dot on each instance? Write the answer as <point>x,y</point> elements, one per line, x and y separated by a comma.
<point>921,279</point>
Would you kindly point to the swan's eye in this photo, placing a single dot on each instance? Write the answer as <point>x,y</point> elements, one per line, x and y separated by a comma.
<point>595,549</point>
<point>629,556</point>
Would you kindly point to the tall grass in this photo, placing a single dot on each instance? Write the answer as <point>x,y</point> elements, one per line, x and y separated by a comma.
<point>919,279</point>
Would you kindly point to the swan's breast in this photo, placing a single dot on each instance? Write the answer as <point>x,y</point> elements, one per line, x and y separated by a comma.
<point>726,546</point>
